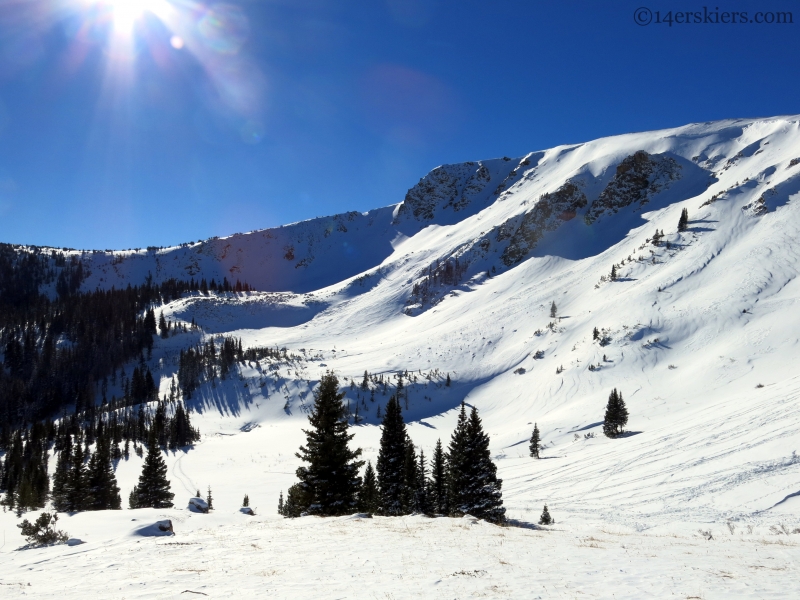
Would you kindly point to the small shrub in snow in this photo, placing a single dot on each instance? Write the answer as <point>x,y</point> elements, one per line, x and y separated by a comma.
<point>546,519</point>
<point>43,532</point>
<point>706,533</point>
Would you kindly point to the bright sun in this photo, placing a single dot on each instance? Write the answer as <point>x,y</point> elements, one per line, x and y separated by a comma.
<point>125,12</point>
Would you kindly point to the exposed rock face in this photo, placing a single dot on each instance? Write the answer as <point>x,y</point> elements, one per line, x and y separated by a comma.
<point>448,186</point>
<point>548,214</point>
<point>638,177</point>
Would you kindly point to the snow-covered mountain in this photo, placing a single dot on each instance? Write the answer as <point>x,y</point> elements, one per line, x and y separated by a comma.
<point>699,330</point>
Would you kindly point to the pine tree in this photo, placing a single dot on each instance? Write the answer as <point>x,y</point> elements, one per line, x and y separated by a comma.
<point>391,459</point>
<point>596,334</point>
<point>616,415</point>
<point>438,486</point>
<point>546,519</point>
<point>481,495</point>
<point>153,490</point>
<point>102,482</point>
<point>683,222</point>
<point>61,477</point>
<point>369,495</point>
<point>535,442</point>
<point>77,486</point>
<point>553,310</point>
<point>296,501</point>
<point>246,501</point>
<point>330,482</point>
<point>410,479</point>
<point>447,381</point>
<point>422,499</point>
<point>457,476</point>
<point>613,272</point>
<point>281,509</point>
<point>210,499</point>
<point>162,325</point>
<point>181,431</point>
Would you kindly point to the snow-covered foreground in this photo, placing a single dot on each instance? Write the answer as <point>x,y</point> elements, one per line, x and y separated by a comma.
<point>234,556</point>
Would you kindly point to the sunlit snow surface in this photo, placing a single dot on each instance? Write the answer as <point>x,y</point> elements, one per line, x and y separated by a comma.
<point>707,367</point>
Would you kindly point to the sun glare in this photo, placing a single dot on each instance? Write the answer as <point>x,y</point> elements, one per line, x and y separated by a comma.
<point>124,13</point>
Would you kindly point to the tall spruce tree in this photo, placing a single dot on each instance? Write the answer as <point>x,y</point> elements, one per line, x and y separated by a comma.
<point>422,499</point>
<point>102,482</point>
<point>61,476</point>
<point>483,496</point>
<point>535,442</point>
<point>153,489</point>
<point>391,460</point>
<point>438,485</point>
<point>330,482</point>
<point>683,221</point>
<point>410,478</point>
<point>78,485</point>
<point>616,415</point>
<point>457,475</point>
<point>478,490</point>
<point>369,495</point>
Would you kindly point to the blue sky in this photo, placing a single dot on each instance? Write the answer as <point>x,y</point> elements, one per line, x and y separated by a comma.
<point>164,121</point>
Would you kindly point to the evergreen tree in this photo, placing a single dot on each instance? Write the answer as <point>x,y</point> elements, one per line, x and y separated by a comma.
<point>553,310</point>
<point>369,495</point>
<point>162,325</point>
<point>596,334</point>
<point>613,272</point>
<point>77,486</point>
<point>246,500</point>
<point>181,431</point>
<point>61,477</point>
<point>457,476</point>
<point>330,482</point>
<point>391,459</point>
<point>153,490</point>
<point>683,222</point>
<point>535,442</point>
<point>616,415</point>
<point>447,381</point>
<point>477,488</point>
<point>296,501</point>
<point>210,499</point>
<point>102,482</point>
<point>546,519</point>
<point>422,498</point>
<point>280,504</point>
<point>410,478</point>
<point>438,486</point>
<point>133,498</point>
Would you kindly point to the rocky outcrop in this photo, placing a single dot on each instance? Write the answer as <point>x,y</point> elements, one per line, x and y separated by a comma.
<point>638,177</point>
<point>448,186</point>
<point>548,214</point>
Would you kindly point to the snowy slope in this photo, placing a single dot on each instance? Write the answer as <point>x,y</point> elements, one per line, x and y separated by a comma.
<point>701,334</point>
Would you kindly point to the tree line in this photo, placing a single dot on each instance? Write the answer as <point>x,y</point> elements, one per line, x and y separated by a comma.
<point>461,480</point>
